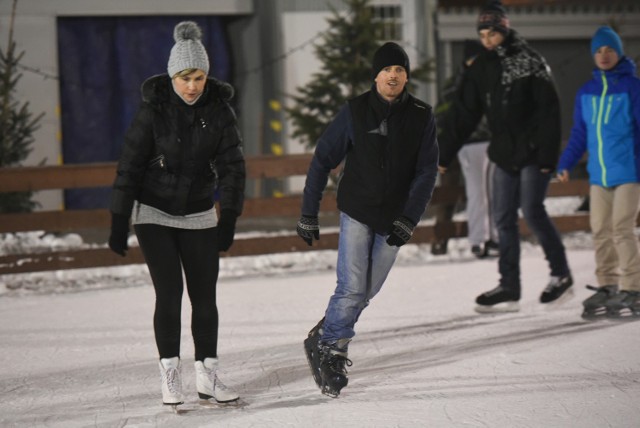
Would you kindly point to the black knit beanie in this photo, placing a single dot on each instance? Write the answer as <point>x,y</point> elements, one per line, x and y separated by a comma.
<point>389,54</point>
<point>494,16</point>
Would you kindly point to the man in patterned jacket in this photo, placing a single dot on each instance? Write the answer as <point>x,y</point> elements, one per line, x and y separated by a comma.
<point>511,84</point>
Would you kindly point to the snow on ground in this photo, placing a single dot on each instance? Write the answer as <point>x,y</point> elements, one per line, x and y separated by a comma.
<point>78,349</point>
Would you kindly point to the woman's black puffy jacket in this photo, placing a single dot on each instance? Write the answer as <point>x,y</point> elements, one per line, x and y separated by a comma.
<point>176,156</point>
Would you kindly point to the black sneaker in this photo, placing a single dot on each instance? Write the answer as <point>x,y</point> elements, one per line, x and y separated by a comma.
<point>557,286</point>
<point>439,248</point>
<point>311,350</point>
<point>594,305</point>
<point>333,370</point>
<point>625,304</point>
<point>478,251</point>
<point>498,300</point>
<point>491,248</point>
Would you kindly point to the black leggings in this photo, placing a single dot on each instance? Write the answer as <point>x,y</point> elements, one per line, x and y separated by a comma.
<point>168,251</point>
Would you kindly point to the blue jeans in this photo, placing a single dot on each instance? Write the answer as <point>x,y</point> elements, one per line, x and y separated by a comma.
<point>525,189</point>
<point>364,261</point>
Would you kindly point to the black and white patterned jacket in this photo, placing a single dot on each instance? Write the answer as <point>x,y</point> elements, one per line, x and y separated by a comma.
<point>513,87</point>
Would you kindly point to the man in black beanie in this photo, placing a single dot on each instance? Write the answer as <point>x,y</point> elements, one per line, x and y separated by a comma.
<point>387,140</point>
<point>512,85</point>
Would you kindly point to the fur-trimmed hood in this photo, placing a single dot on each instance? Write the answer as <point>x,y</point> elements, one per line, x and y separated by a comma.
<point>157,89</point>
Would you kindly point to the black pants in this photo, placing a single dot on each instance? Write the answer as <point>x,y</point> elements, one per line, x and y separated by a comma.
<point>168,251</point>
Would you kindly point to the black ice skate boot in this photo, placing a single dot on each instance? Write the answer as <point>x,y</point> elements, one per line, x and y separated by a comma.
<point>498,300</point>
<point>333,368</point>
<point>558,286</point>
<point>312,351</point>
<point>624,305</point>
<point>594,306</point>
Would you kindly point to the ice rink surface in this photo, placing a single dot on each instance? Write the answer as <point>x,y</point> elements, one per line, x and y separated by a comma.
<point>421,357</point>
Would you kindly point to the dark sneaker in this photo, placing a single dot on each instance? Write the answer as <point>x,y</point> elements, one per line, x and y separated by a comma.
<point>491,248</point>
<point>557,286</point>
<point>497,300</point>
<point>478,251</point>
<point>333,370</point>
<point>311,350</point>
<point>439,248</point>
<point>594,305</point>
<point>625,304</point>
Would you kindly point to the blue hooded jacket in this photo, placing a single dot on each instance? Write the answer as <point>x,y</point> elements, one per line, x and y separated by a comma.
<point>606,123</point>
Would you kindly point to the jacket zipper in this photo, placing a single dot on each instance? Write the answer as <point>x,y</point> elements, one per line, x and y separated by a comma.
<point>158,160</point>
<point>599,130</point>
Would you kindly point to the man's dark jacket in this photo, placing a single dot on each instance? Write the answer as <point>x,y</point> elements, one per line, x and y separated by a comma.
<point>390,152</point>
<point>513,87</point>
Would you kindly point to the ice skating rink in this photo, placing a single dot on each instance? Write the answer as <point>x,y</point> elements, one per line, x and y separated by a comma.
<point>422,357</point>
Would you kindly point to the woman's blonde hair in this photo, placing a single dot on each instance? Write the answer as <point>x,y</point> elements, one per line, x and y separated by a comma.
<point>185,72</point>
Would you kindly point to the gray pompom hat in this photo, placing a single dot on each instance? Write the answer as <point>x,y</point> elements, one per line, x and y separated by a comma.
<point>188,52</point>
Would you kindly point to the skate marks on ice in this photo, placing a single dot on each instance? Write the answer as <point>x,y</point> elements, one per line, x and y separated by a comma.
<point>205,405</point>
<point>387,353</point>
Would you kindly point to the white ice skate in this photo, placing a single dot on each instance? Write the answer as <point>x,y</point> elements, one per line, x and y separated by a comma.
<point>171,378</point>
<point>209,385</point>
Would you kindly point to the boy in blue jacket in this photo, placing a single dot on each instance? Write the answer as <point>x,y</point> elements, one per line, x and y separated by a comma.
<point>606,124</point>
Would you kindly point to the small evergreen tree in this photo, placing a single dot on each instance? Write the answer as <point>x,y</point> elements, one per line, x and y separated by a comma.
<point>345,52</point>
<point>17,123</point>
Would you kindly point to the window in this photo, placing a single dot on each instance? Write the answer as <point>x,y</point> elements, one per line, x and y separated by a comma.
<point>391,18</point>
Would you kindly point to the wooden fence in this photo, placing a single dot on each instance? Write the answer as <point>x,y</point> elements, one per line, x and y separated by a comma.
<point>263,167</point>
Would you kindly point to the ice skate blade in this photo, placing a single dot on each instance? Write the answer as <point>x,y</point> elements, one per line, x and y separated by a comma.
<point>498,308</point>
<point>208,398</point>
<point>594,315</point>
<point>211,403</point>
<point>623,315</point>
<point>175,407</point>
<point>309,352</point>
<point>333,393</point>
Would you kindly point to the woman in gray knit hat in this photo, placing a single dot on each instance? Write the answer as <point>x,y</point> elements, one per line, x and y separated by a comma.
<point>182,147</point>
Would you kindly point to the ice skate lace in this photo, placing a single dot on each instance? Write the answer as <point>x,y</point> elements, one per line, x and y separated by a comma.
<point>339,363</point>
<point>173,380</point>
<point>217,384</point>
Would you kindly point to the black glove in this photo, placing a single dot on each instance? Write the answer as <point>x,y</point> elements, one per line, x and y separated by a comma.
<point>308,228</point>
<point>401,232</point>
<point>226,229</point>
<point>119,234</point>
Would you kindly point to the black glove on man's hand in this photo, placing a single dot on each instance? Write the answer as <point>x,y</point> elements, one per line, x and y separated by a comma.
<point>401,232</point>
<point>308,228</point>
<point>119,234</point>
<point>226,229</point>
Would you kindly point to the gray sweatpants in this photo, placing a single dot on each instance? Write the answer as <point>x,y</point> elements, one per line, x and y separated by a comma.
<point>478,172</point>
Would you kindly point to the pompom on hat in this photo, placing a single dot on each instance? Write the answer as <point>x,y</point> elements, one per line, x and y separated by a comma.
<point>188,52</point>
<point>390,54</point>
<point>605,36</point>
<point>494,16</point>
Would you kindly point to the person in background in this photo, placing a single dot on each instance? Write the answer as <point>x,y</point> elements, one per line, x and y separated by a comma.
<point>511,84</point>
<point>387,139</point>
<point>476,168</point>
<point>606,124</point>
<point>182,146</point>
